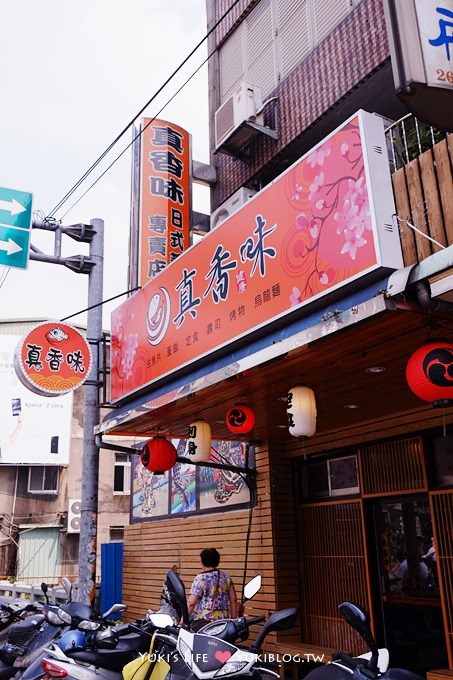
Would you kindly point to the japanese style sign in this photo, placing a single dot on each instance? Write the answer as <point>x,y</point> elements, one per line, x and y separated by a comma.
<point>164,213</point>
<point>421,45</point>
<point>324,223</point>
<point>52,359</point>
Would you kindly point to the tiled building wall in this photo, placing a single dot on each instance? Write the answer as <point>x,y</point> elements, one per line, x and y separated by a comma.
<point>339,64</point>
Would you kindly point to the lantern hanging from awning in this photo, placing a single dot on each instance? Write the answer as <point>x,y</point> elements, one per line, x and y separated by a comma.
<point>429,373</point>
<point>240,419</point>
<point>301,411</point>
<point>199,441</point>
<point>158,455</point>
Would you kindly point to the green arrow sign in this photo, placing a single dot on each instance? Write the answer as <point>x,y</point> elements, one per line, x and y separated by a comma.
<point>15,227</point>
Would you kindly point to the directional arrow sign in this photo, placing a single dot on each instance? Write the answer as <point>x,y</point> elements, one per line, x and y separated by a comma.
<point>15,227</point>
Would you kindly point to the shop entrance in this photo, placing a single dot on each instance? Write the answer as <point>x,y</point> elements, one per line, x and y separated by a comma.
<point>409,593</point>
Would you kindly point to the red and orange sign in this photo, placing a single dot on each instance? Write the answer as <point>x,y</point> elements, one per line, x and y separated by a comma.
<point>313,230</point>
<point>52,359</point>
<point>164,196</point>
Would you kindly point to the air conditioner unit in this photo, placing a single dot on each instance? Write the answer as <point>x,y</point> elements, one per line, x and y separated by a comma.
<point>233,203</point>
<point>241,106</point>
<point>73,516</point>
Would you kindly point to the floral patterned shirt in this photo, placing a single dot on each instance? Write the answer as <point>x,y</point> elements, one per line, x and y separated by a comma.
<point>211,586</point>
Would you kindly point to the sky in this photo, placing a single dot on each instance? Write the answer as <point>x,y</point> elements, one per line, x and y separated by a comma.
<point>73,75</point>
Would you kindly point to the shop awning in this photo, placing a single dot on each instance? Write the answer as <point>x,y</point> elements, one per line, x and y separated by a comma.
<point>337,350</point>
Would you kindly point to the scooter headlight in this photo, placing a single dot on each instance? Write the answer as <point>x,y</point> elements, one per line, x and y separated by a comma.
<point>231,667</point>
<point>185,652</point>
<point>89,625</point>
<point>53,618</point>
<point>64,616</point>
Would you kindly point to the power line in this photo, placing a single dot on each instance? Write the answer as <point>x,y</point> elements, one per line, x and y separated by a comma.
<point>126,128</point>
<point>136,136</point>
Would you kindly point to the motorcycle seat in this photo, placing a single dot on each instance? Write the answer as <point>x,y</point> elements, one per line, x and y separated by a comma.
<point>113,661</point>
<point>400,674</point>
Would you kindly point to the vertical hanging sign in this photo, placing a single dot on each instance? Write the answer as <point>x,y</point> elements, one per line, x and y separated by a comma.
<point>164,196</point>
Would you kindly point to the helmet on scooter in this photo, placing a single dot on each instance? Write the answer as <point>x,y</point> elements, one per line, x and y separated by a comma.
<point>73,640</point>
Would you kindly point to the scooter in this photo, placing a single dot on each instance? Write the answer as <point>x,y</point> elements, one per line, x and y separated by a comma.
<point>206,656</point>
<point>368,666</point>
<point>26,640</point>
<point>109,651</point>
<point>15,611</point>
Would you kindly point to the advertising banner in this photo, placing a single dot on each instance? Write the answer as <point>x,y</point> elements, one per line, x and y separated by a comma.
<point>324,224</point>
<point>165,205</point>
<point>34,430</point>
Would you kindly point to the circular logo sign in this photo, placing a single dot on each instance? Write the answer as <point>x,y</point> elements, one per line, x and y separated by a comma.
<point>52,359</point>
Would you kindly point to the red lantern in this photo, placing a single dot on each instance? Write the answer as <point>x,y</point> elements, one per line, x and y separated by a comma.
<point>429,373</point>
<point>158,455</point>
<point>240,419</point>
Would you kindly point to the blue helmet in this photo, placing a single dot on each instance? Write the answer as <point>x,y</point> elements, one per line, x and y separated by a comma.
<point>73,640</point>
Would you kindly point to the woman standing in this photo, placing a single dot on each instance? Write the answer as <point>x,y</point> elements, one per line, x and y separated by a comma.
<point>212,595</point>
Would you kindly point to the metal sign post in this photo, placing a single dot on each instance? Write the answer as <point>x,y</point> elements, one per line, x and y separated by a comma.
<point>93,266</point>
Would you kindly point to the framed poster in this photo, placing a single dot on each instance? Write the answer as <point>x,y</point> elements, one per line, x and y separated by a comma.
<point>191,489</point>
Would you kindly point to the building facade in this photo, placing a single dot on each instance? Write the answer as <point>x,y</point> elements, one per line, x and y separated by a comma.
<point>361,509</point>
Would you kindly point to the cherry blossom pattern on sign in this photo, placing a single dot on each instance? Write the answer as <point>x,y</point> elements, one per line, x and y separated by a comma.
<point>331,236</point>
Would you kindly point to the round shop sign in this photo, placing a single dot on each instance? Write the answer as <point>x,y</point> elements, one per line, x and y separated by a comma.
<point>52,359</point>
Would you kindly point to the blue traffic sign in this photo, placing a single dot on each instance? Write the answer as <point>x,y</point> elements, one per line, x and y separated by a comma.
<point>15,227</point>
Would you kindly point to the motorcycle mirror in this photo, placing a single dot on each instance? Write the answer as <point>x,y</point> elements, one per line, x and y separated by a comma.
<point>281,620</point>
<point>160,620</point>
<point>66,583</point>
<point>359,619</point>
<point>176,587</point>
<point>45,588</point>
<point>252,587</point>
<point>114,609</point>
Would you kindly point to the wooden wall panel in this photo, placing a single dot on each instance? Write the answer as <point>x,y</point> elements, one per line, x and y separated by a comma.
<point>423,192</point>
<point>287,576</point>
<point>393,467</point>
<point>442,514</point>
<point>403,210</point>
<point>151,548</point>
<point>334,569</point>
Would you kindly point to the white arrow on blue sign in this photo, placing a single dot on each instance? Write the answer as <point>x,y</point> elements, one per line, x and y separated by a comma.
<point>15,227</point>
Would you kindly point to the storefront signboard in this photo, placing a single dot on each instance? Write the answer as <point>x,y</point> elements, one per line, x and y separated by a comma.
<point>324,224</point>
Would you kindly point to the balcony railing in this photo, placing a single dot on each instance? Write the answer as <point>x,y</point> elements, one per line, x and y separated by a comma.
<point>421,161</point>
<point>409,138</point>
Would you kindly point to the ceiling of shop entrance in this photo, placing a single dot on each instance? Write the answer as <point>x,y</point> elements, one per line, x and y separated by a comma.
<point>357,374</point>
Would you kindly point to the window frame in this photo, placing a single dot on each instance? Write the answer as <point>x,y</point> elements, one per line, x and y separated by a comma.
<point>122,461</point>
<point>43,468</point>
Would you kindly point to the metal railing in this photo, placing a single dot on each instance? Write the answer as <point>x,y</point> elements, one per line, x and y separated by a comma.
<point>408,138</point>
<point>21,591</point>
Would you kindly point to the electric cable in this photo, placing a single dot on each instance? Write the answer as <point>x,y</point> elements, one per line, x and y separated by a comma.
<point>140,132</point>
<point>126,128</point>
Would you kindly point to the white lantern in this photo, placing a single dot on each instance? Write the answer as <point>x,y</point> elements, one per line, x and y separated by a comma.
<point>199,442</point>
<point>301,411</point>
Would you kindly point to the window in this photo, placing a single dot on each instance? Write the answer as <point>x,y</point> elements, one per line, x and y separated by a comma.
<point>116,534</point>
<point>43,479</point>
<point>323,478</point>
<point>122,474</point>
<point>274,38</point>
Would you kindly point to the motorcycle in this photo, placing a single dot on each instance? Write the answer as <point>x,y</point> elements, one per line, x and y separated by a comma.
<point>26,640</point>
<point>373,664</point>
<point>210,651</point>
<point>15,611</point>
<point>107,652</point>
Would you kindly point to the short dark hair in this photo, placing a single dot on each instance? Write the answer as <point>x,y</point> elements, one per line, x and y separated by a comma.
<point>210,557</point>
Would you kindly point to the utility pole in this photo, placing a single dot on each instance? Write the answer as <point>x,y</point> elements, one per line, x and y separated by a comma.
<point>93,266</point>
